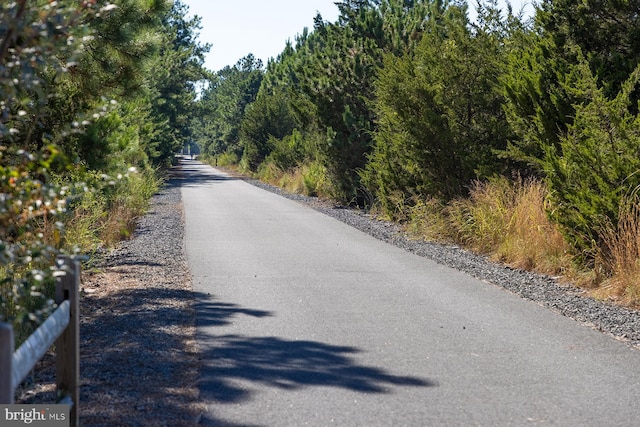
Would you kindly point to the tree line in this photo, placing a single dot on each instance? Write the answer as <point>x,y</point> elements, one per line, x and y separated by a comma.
<point>96,98</point>
<point>398,101</point>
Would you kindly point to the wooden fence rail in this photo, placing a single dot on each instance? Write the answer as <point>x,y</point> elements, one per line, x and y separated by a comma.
<point>63,328</point>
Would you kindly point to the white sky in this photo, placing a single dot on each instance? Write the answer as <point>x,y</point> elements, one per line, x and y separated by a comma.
<point>262,27</point>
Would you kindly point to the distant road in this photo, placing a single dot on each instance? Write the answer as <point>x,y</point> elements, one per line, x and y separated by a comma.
<point>305,321</point>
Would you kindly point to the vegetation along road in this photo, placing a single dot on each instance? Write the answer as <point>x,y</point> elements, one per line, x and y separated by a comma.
<point>307,321</point>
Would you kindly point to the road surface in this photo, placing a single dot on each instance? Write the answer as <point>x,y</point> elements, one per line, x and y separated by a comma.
<point>303,320</point>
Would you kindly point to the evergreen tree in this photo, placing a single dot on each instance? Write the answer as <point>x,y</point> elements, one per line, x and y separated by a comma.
<point>267,119</point>
<point>335,68</point>
<point>607,32</point>
<point>440,111</point>
<point>223,105</point>
<point>596,163</point>
<point>173,79</point>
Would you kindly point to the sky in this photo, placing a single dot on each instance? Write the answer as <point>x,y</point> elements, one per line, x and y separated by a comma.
<point>262,27</point>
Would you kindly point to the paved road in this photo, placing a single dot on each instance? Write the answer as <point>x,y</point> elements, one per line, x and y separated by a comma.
<point>303,320</point>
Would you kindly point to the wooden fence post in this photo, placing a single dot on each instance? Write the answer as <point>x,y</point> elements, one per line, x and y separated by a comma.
<point>68,344</point>
<point>7,394</point>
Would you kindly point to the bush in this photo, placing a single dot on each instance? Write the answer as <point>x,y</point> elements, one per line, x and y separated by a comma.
<point>228,158</point>
<point>315,180</point>
<point>595,164</point>
<point>31,233</point>
<point>440,115</point>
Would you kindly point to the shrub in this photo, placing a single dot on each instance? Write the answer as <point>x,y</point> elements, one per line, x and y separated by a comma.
<point>228,158</point>
<point>31,207</point>
<point>584,142</point>
<point>315,180</point>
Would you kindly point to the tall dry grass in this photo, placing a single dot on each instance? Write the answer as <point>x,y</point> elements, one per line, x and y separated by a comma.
<point>620,255</point>
<point>308,179</point>
<point>504,219</point>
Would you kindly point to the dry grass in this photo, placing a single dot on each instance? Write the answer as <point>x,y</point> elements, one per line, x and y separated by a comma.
<point>504,219</point>
<point>292,181</point>
<point>309,179</point>
<point>531,241</point>
<point>620,256</point>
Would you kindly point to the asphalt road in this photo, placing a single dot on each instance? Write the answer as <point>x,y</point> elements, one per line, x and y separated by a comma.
<point>303,320</point>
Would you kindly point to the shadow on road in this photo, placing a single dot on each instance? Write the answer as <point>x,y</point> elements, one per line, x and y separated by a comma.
<point>191,173</point>
<point>212,313</point>
<point>279,363</point>
<point>134,358</point>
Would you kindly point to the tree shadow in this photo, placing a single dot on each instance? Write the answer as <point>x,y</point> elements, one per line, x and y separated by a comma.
<point>213,313</point>
<point>138,366</point>
<point>136,358</point>
<point>189,174</point>
<point>128,259</point>
<point>230,361</point>
<point>288,365</point>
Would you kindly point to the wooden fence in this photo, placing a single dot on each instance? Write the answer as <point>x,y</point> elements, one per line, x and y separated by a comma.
<point>61,327</point>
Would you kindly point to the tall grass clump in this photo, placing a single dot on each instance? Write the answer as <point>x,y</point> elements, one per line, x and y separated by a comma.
<point>509,220</point>
<point>226,159</point>
<point>532,241</point>
<point>620,255</point>
<point>481,221</point>
<point>309,179</point>
<point>502,218</point>
<point>108,213</point>
<point>426,219</point>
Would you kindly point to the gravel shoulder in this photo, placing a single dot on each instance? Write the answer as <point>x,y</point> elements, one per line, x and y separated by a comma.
<point>139,357</point>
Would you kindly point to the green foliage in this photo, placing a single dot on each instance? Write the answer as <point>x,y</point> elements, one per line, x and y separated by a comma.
<point>596,162</point>
<point>288,151</point>
<point>269,118</point>
<point>108,71</point>
<point>30,205</point>
<point>222,107</point>
<point>440,113</point>
<point>78,74</point>
<point>173,78</point>
<point>335,69</point>
<point>572,101</point>
<point>607,31</point>
<point>539,103</point>
<point>543,68</point>
<point>322,85</point>
<point>314,179</point>
<point>40,42</point>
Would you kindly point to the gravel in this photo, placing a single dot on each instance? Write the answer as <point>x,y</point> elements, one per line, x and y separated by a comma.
<point>619,322</point>
<point>138,349</point>
<point>139,357</point>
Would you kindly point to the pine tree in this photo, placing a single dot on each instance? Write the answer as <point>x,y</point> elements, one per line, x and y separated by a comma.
<point>440,112</point>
